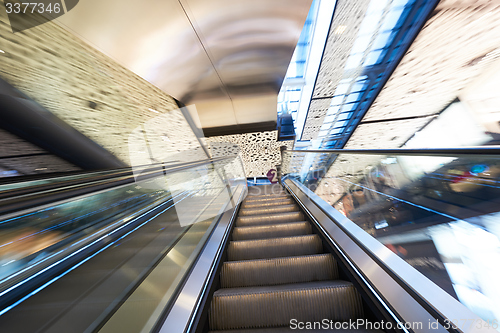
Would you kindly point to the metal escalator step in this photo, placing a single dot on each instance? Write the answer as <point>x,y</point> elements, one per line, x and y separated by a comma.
<point>258,204</point>
<point>264,198</point>
<point>275,306</point>
<point>246,221</point>
<point>276,191</point>
<point>289,330</point>
<point>272,231</point>
<point>274,247</point>
<point>276,271</point>
<point>268,210</point>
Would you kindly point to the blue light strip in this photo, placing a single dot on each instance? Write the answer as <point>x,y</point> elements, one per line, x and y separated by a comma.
<point>10,307</point>
<point>74,244</point>
<point>72,220</point>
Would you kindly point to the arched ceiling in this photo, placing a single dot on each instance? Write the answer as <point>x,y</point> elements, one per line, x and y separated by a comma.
<point>227,57</point>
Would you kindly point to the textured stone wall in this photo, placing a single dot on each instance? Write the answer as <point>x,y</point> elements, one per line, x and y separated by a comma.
<point>260,151</point>
<point>87,89</point>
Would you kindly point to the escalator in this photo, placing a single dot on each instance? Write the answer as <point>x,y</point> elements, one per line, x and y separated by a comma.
<point>206,254</point>
<point>278,274</point>
<point>78,251</point>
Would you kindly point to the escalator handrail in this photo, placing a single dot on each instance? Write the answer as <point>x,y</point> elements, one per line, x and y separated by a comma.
<point>427,296</point>
<point>87,177</point>
<point>445,152</point>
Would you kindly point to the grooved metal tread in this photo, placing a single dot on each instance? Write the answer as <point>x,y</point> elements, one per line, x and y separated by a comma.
<point>277,271</point>
<point>274,306</point>
<point>274,247</point>
<point>268,203</point>
<point>272,231</point>
<point>242,291</point>
<point>269,218</point>
<point>265,198</point>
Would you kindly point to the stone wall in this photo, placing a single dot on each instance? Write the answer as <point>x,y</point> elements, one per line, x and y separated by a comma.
<point>87,89</point>
<point>260,151</point>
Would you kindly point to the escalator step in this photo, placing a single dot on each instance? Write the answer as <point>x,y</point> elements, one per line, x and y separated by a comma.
<point>259,204</point>
<point>269,210</point>
<point>274,247</point>
<point>272,231</point>
<point>276,271</point>
<point>246,221</point>
<point>275,306</point>
<point>266,193</point>
<point>264,198</point>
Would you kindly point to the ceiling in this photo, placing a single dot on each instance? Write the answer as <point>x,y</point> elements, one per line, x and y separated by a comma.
<point>227,57</point>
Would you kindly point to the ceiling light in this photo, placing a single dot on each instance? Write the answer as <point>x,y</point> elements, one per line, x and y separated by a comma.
<point>340,29</point>
<point>153,110</point>
<point>2,51</point>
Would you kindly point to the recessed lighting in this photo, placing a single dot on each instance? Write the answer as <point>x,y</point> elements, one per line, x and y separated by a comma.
<point>340,29</point>
<point>40,169</point>
<point>153,110</point>
<point>2,51</point>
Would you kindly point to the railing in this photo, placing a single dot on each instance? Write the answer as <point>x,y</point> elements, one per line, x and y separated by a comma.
<point>436,209</point>
<point>93,213</point>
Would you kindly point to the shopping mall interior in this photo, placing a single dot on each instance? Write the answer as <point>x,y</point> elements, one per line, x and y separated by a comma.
<point>242,166</point>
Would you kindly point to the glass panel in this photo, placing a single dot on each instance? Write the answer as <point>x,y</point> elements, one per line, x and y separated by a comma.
<point>382,40</point>
<point>391,19</point>
<point>336,100</point>
<point>123,241</point>
<point>342,89</point>
<point>353,61</point>
<point>345,115</point>
<point>373,58</point>
<point>439,213</point>
<point>349,107</point>
<point>354,97</point>
<point>329,119</point>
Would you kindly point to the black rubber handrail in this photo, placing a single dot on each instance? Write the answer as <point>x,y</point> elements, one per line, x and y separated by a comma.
<point>66,190</point>
<point>447,152</point>
<point>60,181</point>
